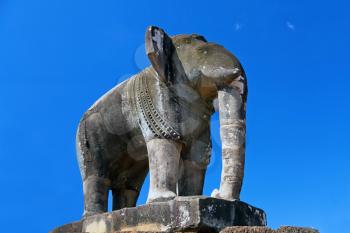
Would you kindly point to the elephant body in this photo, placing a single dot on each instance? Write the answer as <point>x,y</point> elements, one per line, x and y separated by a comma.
<point>159,121</point>
<point>112,135</point>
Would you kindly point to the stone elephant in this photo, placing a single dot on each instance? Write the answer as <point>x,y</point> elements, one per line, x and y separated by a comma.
<point>159,121</point>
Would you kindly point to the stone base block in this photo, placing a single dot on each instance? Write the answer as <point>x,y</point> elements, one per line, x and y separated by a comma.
<point>183,214</point>
<point>268,230</point>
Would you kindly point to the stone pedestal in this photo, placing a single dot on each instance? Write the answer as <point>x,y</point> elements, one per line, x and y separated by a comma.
<point>190,214</point>
<point>268,230</point>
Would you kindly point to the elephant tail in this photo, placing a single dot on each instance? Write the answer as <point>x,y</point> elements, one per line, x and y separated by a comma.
<point>82,146</point>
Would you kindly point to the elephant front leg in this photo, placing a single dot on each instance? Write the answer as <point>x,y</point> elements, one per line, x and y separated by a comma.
<point>192,178</point>
<point>194,165</point>
<point>164,156</point>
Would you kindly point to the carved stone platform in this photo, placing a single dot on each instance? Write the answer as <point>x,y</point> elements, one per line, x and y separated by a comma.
<point>286,229</point>
<point>193,214</point>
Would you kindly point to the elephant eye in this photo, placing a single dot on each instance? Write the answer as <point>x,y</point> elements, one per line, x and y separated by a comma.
<point>202,49</point>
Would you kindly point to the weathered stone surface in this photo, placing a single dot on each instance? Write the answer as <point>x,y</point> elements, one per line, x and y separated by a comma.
<point>70,227</point>
<point>289,229</point>
<point>245,229</point>
<point>158,121</point>
<point>286,229</point>
<point>197,214</point>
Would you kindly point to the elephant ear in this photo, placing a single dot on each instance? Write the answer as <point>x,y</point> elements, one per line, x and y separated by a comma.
<point>159,49</point>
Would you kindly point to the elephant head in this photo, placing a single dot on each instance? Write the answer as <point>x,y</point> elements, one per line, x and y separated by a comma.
<point>218,78</point>
<point>190,58</point>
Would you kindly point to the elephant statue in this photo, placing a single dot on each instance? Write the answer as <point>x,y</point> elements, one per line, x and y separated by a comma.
<point>159,121</point>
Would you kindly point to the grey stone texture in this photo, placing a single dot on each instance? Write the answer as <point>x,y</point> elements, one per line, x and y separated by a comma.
<point>236,229</point>
<point>285,229</point>
<point>158,121</point>
<point>198,214</point>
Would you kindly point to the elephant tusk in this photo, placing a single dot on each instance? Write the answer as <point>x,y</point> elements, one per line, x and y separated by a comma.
<point>222,72</point>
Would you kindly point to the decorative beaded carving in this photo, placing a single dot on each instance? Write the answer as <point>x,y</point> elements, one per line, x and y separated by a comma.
<point>142,103</point>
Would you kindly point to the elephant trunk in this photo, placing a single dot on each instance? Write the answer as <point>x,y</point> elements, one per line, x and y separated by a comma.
<point>232,132</point>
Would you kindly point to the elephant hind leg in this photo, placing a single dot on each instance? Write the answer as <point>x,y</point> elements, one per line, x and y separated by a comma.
<point>91,153</point>
<point>126,195</point>
<point>123,198</point>
<point>95,195</point>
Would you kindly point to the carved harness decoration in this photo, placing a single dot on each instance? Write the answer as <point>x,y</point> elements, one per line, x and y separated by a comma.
<point>142,104</point>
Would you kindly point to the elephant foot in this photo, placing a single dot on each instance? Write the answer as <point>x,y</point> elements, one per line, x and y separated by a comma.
<point>90,213</point>
<point>161,196</point>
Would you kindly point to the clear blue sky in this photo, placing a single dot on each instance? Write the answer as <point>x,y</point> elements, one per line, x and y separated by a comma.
<point>57,57</point>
